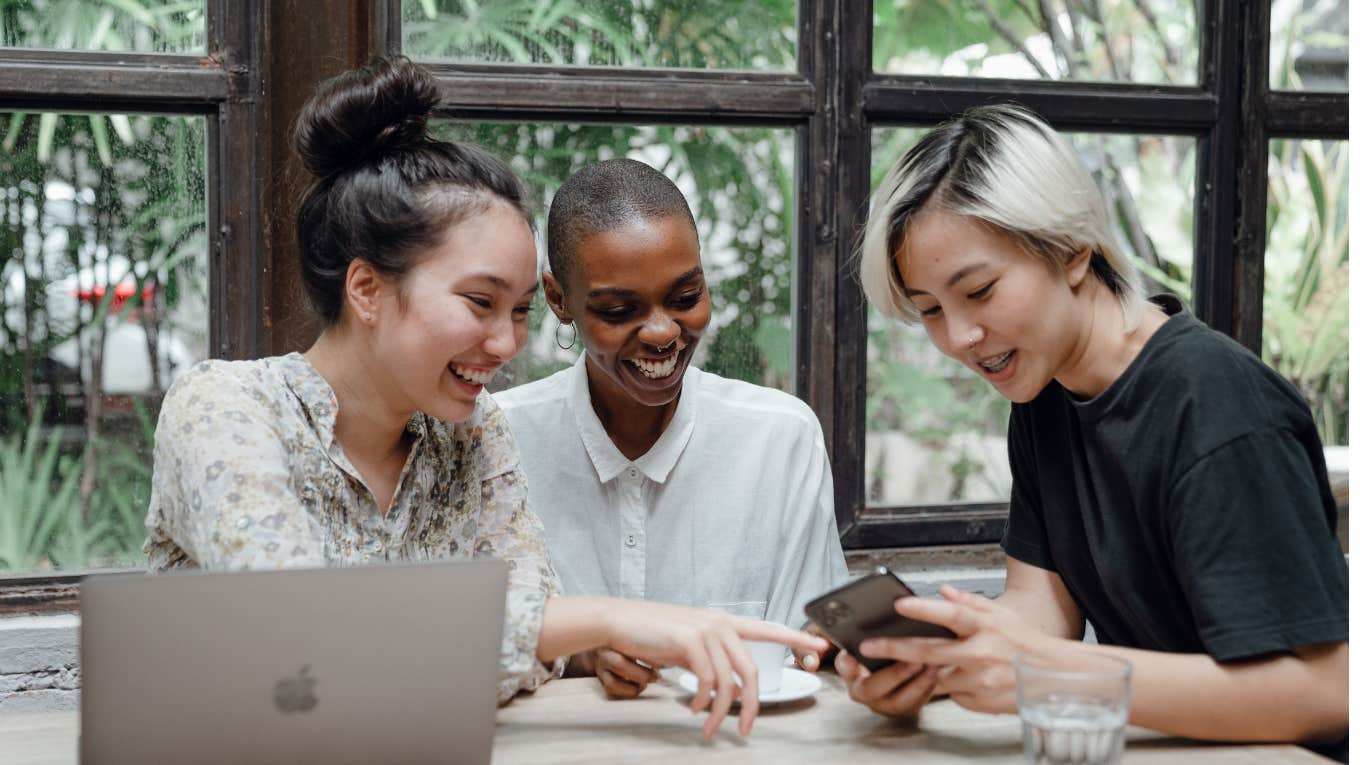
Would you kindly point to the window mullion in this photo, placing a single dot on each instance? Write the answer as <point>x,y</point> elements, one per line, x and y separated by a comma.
<point>1217,179</point>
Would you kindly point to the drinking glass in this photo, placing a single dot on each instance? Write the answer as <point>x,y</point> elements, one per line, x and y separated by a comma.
<point>1073,709</point>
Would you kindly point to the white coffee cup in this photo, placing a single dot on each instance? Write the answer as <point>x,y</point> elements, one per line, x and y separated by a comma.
<point>769,660</point>
<point>768,657</point>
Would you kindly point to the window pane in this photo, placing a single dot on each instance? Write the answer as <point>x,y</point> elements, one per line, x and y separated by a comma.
<point>700,34</point>
<point>1306,330</point>
<point>144,26</point>
<point>1155,41</point>
<point>739,183</point>
<point>103,267</point>
<point>1309,45</point>
<point>935,431</point>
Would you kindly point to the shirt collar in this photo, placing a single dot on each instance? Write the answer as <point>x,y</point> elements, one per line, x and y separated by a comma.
<point>313,392</point>
<point>318,399</point>
<point>609,462</point>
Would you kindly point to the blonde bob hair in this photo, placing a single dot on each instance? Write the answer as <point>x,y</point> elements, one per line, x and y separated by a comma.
<point>1004,166</point>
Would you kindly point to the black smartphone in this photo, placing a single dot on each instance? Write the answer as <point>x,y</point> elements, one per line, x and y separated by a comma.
<point>864,609</point>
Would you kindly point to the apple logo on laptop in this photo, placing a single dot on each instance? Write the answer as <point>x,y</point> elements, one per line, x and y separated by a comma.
<point>294,694</point>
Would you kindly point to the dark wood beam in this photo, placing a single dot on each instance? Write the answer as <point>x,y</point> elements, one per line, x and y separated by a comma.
<point>235,179</point>
<point>932,525</point>
<point>833,176</point>
<point>1293,114</point>
<point>1216,181</point>
<point>299,54</point>
<point>1251,157</point>
<point>1066,105</point>
<point>595,94</point>
<point>79,81</point>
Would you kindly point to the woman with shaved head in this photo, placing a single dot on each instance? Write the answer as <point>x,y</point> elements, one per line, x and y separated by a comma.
<point>655,479</point>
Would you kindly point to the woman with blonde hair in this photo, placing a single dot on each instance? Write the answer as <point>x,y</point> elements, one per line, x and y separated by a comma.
<point>1168,487</point>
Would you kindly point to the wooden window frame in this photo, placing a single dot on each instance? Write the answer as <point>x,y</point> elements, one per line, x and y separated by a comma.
<point>832,102</point>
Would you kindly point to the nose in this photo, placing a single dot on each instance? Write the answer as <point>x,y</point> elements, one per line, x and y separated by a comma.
<point>659,330</point>
<point>502,341</point>
<point>964,334</point>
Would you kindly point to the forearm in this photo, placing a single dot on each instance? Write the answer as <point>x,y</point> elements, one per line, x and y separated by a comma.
<point>1283,698</point>
<point>571,625</point>
<point>1038,611</point>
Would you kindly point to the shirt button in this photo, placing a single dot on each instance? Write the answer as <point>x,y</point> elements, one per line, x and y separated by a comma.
<point>243,523</point>
<point>630,540</point>
<point>632,472</point>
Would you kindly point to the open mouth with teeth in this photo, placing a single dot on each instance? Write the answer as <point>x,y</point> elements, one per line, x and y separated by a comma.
<point>472,376</point>
<point>656,369</point>
<point>996,363</point>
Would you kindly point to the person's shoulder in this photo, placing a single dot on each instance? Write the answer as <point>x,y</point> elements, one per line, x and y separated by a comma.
<point>215,381</point>
<point>539,392</point>
<point>743,404</point>
<point>215,399</point>
<point>1195,361</point>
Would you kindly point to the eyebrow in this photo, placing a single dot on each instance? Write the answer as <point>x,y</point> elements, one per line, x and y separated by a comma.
<point>958,275</point>
<point>621,292</point>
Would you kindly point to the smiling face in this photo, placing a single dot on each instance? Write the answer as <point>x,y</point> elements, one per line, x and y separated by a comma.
<point>460,314</point>
<point>984,301</point>
<point>640,303</point>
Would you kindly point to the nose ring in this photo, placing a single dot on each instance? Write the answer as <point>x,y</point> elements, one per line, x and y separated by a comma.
<point>975,337</point>
<point>667,347</point>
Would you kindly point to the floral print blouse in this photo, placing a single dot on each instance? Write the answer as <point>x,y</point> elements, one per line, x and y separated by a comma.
<point>249,475</point>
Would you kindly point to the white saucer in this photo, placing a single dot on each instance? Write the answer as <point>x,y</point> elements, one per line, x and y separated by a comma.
<point>793,685</point>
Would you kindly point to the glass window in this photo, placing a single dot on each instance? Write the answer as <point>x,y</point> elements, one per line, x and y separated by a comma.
<point>935,432</point>
<point>1305,323</point>
<point>739,183</point>
<point>103,302</point>
<point>700,34</point>
<point>144,26</point>
<point>1153,41</point>
<point>1309,45</point>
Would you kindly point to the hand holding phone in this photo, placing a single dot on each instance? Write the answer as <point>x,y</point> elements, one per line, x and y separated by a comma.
<point>864,609</point>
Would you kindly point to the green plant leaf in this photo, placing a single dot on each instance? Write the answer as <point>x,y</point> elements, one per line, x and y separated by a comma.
<point>136,10</point>
<point>47,129</point>
<point>16,123</point>
<point>100,134</point>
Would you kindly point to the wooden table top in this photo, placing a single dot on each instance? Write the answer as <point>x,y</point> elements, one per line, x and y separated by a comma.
<point>571,721</point>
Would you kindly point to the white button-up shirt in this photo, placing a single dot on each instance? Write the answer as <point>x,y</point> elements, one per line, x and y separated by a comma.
<point>731,507</point>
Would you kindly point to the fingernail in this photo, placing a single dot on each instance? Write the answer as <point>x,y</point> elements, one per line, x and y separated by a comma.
<point>809,661</point>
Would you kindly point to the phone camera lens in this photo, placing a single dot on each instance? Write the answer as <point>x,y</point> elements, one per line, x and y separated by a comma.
<point>834,612</point>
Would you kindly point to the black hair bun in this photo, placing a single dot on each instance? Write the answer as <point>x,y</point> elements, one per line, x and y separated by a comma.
<point>364,114</point>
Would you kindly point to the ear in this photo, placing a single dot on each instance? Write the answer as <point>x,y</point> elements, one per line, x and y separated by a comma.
<point>363,290</point>
<point>557,299</point>
<point>1078,266</point>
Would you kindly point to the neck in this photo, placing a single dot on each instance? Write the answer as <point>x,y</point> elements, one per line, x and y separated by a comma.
<point>369,424</point>
<point>1104,350</point>
<point>633,427</point>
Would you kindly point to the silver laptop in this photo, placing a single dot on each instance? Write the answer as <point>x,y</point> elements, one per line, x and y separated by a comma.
<point>393,663</point>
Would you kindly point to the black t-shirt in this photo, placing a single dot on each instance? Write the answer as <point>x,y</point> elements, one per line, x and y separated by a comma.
<point>1186,508</point>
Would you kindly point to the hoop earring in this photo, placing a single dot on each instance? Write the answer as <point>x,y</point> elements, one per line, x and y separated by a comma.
<point>557,335</point>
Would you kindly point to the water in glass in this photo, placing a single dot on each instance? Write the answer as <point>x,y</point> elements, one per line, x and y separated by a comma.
<point>1073,731</point>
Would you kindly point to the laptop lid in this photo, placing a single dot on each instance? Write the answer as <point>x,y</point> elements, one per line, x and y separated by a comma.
<point>391,663</point>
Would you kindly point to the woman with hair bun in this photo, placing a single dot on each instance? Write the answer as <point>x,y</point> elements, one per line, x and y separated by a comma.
<point>1168,487</point>
<point>379,443</point>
